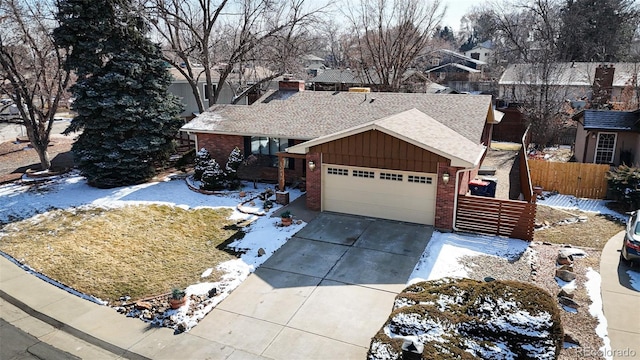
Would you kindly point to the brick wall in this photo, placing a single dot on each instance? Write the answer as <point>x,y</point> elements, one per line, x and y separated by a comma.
<point>219,146</point>
<point>314,187</point>
<point>445,198</point>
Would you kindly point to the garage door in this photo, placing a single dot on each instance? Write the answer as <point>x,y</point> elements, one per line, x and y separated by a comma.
<point>387,194</point>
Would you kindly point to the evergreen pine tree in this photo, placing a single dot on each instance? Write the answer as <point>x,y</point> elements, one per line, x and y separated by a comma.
<point>213,176</point>
<point>231,168</point>
<point>202,162</point>
<point>126,115</point>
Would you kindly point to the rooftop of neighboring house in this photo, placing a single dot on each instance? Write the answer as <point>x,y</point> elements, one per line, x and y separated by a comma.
<point>249,74</point>
<point>341,76</point>
<point>459,56</point>
<point>609,120</point>
<point>483,45</point>
<point>312,58</point>
<point>310,114</point>
<point>567,73</point>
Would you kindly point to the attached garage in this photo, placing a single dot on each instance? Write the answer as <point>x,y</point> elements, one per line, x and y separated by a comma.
<point>392,168</point>
<point>390,194</point>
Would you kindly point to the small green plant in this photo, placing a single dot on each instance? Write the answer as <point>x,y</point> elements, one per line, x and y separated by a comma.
<point>177,294</point>
<point>285,214</point>
<point>624,185</point>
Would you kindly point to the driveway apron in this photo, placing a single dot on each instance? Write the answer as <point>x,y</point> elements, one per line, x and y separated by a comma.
<point>324,293</point>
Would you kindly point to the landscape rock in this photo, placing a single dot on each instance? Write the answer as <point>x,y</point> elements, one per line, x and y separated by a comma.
<point>143,305</point>
<point>261,252</point>
<point>564,260</point>
<point>566,267</point>
<point>566,301</point>
<point>565,275</point>
<point>213,292</point>
<point>571,252</point>
<point>570,338</point>
<point>567,291</point>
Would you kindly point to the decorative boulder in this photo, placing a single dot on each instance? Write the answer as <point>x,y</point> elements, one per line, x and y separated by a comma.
<point>565,275</point>
<point>463,318</point>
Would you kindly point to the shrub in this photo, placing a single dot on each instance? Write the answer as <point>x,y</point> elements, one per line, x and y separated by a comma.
<point>624,185</point>
<point>202,162</point>
<point>212,176</point>
<point>231,169</point>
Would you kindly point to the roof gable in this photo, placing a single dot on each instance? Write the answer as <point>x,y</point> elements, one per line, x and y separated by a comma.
<point>417,128</point>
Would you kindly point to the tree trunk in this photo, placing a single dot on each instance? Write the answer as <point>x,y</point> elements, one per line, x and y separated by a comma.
<point>45,162</point>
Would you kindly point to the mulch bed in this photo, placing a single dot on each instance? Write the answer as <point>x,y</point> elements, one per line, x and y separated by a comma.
<point>16,157</point>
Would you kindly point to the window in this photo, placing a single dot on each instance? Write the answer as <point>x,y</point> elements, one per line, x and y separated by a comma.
<point>419,179</point>
<point>475,56</point>
<point>206,91</point>
<point>389,176</point>
<point>363,174</point>
<point>334,171</point>
<point>435,62</point>
<point>605,148</point>
<point>268,147</point>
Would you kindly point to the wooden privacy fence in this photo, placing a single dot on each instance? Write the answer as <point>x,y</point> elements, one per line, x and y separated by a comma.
<point>510,218</point>
<point>578,179</point>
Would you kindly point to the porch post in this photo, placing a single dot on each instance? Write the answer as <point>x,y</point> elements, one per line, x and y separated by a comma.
<point>280,173</point>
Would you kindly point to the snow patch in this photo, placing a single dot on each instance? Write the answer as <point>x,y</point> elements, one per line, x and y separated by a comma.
<point>595,309</point>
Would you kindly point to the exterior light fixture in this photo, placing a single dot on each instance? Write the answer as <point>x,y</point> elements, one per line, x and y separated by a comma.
<point>445,178</point>
<point>312,165</point>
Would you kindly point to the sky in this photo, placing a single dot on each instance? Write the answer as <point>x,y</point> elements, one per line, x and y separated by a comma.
<point>455,10</point>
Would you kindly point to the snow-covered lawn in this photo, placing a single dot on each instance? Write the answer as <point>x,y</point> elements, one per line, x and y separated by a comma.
<point>22,201</point>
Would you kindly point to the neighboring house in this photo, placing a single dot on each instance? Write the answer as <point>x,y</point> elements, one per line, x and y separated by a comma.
<point>483,51</point>
<point>234,84</point>
<point>313,65</point>
<point>445,65</point>
<point>180,87</point>
<point>571,80</point>
<point>608,137</point>
<point>343,79</point>
<point>340,80</point>
<point>400,156</point>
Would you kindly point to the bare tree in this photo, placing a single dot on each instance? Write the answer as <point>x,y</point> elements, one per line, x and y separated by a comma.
<point>214,40</point>
<point>526,33</point>
<point>32,73</point>
<point>388,35</point>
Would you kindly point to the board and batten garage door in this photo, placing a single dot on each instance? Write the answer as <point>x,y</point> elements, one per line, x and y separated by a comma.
<point>387,194</point>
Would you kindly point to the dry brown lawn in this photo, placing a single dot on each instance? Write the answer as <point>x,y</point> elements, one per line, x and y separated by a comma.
<point>594,233</point>
<point>137,251</point>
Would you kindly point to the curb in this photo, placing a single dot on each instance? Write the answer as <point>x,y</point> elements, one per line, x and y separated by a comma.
<point>116,350</point>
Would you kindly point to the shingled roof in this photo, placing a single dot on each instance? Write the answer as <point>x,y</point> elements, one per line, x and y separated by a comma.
<point>310,114</point>
<point>567,73</point>
<point>611,120</point>
<point>417,128</point>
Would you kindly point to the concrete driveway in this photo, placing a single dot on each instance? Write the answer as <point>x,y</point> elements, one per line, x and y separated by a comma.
<point>620,301</point>
<point>324,294</point>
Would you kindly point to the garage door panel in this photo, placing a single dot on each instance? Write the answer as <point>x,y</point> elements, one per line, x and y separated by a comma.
<point>389,197</point>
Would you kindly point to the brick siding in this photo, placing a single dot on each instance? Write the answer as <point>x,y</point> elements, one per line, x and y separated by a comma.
<point>314,187</point>
<point>445,198</point>
<point>219,146</point>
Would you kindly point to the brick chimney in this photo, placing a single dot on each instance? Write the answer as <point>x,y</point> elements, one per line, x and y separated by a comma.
<point>286,84</point>
<point>602,85</point>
